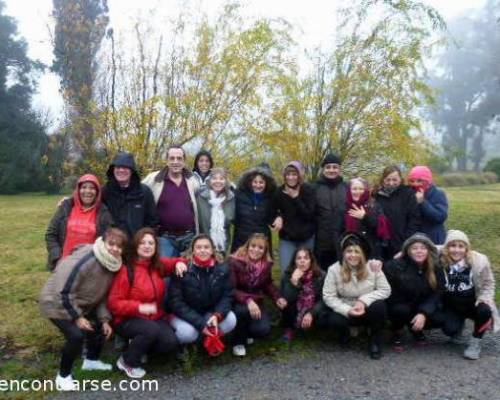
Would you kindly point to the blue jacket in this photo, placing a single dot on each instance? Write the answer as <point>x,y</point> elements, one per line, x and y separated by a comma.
<point>434,212</point>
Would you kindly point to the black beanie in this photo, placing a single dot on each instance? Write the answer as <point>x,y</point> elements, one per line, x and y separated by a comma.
<point>331,158</point>
<point>356,239</point>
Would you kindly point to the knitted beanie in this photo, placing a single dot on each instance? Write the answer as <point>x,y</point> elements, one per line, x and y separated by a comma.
<point>297,165</point>
<point>421,172</point>
<point>456,235</point>
<point>331,158</point>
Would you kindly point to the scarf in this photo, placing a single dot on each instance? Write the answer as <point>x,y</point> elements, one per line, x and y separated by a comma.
<point>388,191</point>
<point>306,298</point>
<point>254,270</point>
<point>351,223</point>
<point>104,257</point>
<point>208,263</point>
<point>217,219</point>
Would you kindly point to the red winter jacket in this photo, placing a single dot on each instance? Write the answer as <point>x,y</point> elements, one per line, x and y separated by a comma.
<point>148,287</point>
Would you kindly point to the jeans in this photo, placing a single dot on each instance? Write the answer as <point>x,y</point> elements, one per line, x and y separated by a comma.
<point>173,246</point>
<point>249,327</point>
<point>288,247</point>
<point>187,333</point>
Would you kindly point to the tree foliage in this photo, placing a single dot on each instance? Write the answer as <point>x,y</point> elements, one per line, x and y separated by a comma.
<point>22,135</point>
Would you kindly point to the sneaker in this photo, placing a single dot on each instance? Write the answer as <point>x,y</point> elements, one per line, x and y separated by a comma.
<point>288,334</point>
<point>239,350</point>
<point>250,340</point>
<point>95,365</point>
<point>134,373</point>
<point>473,349</point>
<point>397,343</point>
<point>66,384</point>
<point>420,339</point>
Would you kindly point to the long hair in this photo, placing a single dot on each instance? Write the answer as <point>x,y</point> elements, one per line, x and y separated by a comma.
<point>314,264</point>
<point>361,269</point>
<point>446,260</point>
<point>385,173</point>
<point>242,252</point>
<point>429,266</point>
<point>223,172</point>
<point>116,234</point>
<point>136,241</point>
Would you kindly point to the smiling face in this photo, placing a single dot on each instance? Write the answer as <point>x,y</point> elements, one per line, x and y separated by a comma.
<point>303,260</point>
<point>122,175</point>
<point>393,180</point>
<point>203,164</point>
<point>457,250</point>
<point>217,183</point>
<point>258,184</point>
<point>331,171</point>
<point>113,245</point>
<point>292,178</point>
<point>147,247</point>
<point>175,160</point>
<point>88,194</point>
<point>256,249</point>
<point>203,249</point>
<point>357,189</point>
<point>353,256</point>
<point>418,252</point>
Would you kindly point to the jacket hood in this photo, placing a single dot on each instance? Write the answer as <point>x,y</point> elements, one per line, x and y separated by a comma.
<point>76,194</point>
<point>245,182</point>
<point>420,238</point>
<point>123,159</point>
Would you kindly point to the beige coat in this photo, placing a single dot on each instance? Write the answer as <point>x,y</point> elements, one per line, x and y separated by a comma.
<point>341,296</point>
<point>155,182</point>
<point>76,290</point>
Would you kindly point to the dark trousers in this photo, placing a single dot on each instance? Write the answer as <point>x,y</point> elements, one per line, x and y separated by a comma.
<point>74,342</point>
<point>374,318</point>
<point>453,318</point>
<point>146,337</point>
<point>401,314</point>
<point>289,315</point>
<point>247,327</point>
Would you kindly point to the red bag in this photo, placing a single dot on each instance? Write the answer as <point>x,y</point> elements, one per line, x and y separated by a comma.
<point>213,344</point>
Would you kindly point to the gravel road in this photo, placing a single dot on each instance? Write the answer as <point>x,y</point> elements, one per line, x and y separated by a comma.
<point>437,371</point>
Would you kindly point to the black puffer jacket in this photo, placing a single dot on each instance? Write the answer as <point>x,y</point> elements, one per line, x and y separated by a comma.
<point>297,213</point>
<point>201,291</point>
<point>330,208</point>
<point>252,217</point>
<point>401,209</point>
<point>409,284</point>
<point>132,207</point>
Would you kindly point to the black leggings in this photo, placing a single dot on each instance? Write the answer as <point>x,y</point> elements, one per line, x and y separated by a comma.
<point>374,318</point>
<point>74,343</point>
<point>452,319</point>
<point>401,314</point>
<point>249,327</point>
<point>146,336</point>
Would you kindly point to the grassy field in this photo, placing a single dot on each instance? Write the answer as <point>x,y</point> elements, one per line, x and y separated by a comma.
<point>28,342</point>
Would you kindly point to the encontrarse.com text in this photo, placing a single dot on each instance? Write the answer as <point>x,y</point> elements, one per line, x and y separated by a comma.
<point>91,385</point>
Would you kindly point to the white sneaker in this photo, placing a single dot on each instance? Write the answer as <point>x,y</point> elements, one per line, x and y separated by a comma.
<point>250,340</point>
<point>239,350</point>
<point>95,365</point>
<point>134,373</point>
<point>473,349</point>
<point>66,384</point>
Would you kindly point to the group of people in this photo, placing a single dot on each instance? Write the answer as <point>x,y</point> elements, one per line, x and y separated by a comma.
<point>155,261</point>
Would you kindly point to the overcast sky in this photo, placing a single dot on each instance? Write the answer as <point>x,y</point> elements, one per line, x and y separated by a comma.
<point>314,17</point>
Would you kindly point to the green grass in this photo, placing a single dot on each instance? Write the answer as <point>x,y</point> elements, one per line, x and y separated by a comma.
<point>29,343</point>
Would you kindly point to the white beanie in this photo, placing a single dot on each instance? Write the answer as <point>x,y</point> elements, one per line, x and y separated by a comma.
<point>456,235</point>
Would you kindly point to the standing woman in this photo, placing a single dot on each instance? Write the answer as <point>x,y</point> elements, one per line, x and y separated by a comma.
<point>417,282</point>
<point>365,216</point>
<point>251,274</point>
<point>216,204</point>
<point>355,294</point>
<point>400,208</point>
<point>74,299</point>
<point>432,203</point>
<point>79,219</point>
<point>203,164</point>
<point>469,292</point>
<point>301,285</point>
<point>201,299</point>
<point>255,211</point>
<point>295,203</point>
<point>135,301</point>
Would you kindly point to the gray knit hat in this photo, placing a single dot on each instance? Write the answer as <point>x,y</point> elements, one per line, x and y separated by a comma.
<point>454,234</point>
<point>420,238</point>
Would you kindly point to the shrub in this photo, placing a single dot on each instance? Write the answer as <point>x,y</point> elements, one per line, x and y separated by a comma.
<point>465,179</point>
<point>493,165</point>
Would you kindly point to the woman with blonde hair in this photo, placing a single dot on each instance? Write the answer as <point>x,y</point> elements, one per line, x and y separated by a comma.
<point>355,294</point>
<point>251,274</point>
<point>417,281</point>
<point>469,291</point>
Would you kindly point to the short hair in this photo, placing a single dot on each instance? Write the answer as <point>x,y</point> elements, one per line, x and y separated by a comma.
<point>176,146</point>
<point>117,234</point>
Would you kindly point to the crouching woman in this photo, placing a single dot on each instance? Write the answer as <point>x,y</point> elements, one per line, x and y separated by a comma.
<point>135,300</point>
<point>74,299</point>
<point>355,294</point>
<point>201,299</point>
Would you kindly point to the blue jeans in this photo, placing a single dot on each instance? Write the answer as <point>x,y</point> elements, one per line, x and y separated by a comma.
<point>287,248</point>
<point>173,246</point>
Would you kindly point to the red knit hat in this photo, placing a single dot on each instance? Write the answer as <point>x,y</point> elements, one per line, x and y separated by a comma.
<point>421,172</point>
